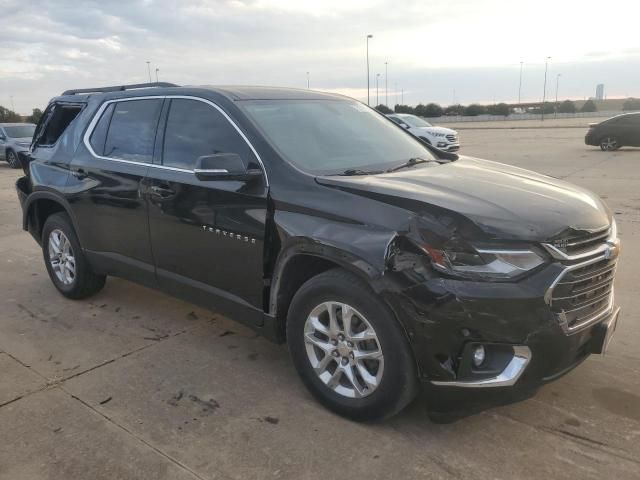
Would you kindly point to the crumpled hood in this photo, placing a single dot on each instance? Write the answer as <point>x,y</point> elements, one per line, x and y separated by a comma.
<point>505,202</point>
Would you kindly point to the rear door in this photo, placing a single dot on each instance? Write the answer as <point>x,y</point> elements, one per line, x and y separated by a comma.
<point>632,131</point>
<point>105,187</point>
<point>207,236</point>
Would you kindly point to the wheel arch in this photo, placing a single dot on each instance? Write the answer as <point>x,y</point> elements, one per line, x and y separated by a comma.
<point>301,262</point>
<point>38,207</point>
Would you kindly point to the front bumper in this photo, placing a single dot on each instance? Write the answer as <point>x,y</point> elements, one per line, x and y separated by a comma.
<point>448,147</point>
<point>445,317</point>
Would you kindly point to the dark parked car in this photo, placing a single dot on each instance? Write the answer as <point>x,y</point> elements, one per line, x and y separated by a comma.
<point>620,131</point>
<point>385,264</point>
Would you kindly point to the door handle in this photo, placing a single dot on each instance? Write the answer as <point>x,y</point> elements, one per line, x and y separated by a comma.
<point>79,173</point>
<point>162,191</point>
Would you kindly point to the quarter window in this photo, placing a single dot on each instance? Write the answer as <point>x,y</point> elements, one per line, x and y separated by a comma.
<point>195,129</point>
<point>132,130</point>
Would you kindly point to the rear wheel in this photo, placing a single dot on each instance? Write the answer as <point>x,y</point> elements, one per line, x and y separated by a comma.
<point>68,268</point>
<point>608,144</point>
<point>12,159</point>
<point>348,348</point>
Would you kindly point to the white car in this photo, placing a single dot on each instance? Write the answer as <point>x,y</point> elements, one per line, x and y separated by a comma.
<point>440,137</point>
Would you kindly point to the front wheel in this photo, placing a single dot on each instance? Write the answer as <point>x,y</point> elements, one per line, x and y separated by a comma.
<point>348,348</point>
<point>68,268</point>
<point>609,144</point>
<point>12,159</point>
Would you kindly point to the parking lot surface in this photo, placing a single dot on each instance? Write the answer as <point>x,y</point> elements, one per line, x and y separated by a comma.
<point>135,384</point>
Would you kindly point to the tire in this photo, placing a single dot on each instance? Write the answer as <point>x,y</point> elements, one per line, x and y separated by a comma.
<point>609,144</point>
<point>333,386</point>
<point>77,281</point>
<point>12,159</point>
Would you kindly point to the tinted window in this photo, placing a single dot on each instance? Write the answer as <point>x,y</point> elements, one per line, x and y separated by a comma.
<point>132,130</point>
<point>415,121</point>
<point>20,131</point>
<point>195,129</point>
<point>99,134</point>
<point>331,136</point>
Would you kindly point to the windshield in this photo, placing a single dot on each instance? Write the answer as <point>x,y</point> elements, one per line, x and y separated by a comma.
<point>20,131</point>
<point>332,136</point>
<point>415,121</point>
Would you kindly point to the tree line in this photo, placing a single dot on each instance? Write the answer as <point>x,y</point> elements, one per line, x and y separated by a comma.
<point>432,110</point>
<point>9,116</point>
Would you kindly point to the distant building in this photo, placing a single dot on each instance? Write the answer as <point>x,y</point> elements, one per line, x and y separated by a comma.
<point>600,91</point>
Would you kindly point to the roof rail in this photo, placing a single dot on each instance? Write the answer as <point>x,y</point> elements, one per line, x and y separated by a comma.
<point>118,88</point>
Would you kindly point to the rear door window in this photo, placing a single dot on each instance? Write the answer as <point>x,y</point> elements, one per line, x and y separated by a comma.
<point>55,121</point>
<point>99,135</point>
<point>195,129</point>
<point>132,130</point>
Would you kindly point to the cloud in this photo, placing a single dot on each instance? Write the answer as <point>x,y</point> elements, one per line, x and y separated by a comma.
<point>432,47</point>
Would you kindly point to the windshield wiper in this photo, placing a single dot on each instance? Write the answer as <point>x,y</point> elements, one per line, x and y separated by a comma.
<point>357,171</point>
<point>410,163</point>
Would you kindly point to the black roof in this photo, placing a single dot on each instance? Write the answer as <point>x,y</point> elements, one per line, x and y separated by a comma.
<point>232,92</point>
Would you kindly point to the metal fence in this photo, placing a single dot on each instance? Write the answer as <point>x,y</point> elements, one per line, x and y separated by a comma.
<point>519,116</point>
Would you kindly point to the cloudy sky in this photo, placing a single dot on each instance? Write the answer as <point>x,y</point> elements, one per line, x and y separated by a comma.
<point>437,50</point>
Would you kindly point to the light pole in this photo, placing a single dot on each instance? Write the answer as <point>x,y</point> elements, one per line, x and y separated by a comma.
<point>307,80</point>
<point>544,90</point>
<point>13,108</point>
<point>520,85</point>
<point>149,70</point>
<point>157,70</point>
<point>555,110</point>
<point>395,90</point>
<point>402,96</point>
<point>368,37</point>
<point>377,97</point>
<point>386,84</point>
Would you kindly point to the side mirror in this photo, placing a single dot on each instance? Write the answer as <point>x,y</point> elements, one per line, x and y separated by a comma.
<point>2,137</point>
<point>406,126</point>
<point>224,166</point>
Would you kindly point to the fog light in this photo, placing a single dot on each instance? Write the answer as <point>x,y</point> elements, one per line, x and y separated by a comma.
<point>478,355</point>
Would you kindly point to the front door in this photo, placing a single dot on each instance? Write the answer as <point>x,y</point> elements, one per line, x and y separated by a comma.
<point>207,237</point>
<point>104,188</point>
<point>3,144</point>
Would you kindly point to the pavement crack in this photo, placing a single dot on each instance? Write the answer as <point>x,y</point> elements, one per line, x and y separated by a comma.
<point>576,438</point>
<point>160,452</point>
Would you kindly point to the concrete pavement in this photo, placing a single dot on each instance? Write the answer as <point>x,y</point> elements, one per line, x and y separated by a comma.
<point>135,384</point>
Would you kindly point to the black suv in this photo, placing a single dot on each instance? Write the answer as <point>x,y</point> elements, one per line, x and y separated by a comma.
<point>613,133</point>
<point>385,264</point>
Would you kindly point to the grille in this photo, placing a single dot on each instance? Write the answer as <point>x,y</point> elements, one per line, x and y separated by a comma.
<point>452,138</point>
<point>583,293</point>
<point>582,243</point>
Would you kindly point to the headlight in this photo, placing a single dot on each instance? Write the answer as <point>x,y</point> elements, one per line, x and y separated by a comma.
<point>484,264</point>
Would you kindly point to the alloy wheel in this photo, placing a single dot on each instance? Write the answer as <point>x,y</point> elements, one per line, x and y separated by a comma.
<point>609,143</point>
<point>61,257</point>
<point>12,159</point>
<point>343,349</point>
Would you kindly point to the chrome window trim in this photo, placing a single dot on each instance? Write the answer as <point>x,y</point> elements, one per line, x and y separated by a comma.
<point>210,170</point>
<point>103,107</point>
<point>507,378</point>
